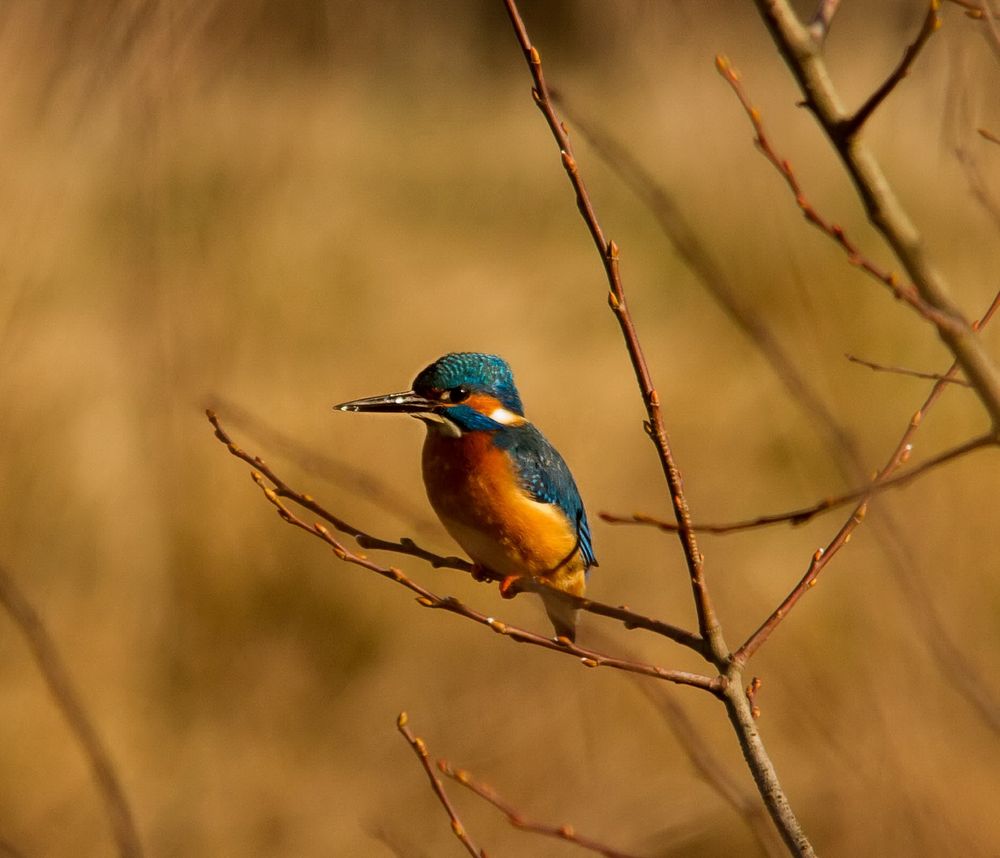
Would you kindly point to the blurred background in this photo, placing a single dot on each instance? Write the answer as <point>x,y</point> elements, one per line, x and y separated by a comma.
<point>270,207</point>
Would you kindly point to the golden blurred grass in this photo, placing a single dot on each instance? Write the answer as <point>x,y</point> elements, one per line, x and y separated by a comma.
<point>284,207</point>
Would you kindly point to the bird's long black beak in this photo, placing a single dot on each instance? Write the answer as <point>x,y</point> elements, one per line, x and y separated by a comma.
<point>407,402</point>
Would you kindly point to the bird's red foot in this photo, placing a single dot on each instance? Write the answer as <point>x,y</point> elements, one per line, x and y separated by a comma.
<point>509,587</point>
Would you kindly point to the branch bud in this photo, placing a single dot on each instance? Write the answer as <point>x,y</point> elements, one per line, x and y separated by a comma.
<point>402,719</point>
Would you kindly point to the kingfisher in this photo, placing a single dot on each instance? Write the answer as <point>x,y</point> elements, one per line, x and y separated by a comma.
<point>500,489</point>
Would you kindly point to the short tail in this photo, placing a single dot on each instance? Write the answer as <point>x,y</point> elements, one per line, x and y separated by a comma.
<point>562,615</point>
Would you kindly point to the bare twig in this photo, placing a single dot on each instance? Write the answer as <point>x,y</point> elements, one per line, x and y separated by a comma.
<point>931,24</point>
<point>988,135</point>
<point>855,257</point>
<point>420,749</point>
<point>519,820</point>
<point>67,699</point>
<point>427,599</point>
<point>708,624</point>
<point>338,471</point>
<point>800,516</point>
<point>902,370</point>
<point>408,547</point>
<point>982,12</point>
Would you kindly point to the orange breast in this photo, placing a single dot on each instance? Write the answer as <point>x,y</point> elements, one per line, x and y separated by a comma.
<point>474,491</point>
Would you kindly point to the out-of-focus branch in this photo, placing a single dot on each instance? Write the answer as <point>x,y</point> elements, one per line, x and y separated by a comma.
<point>902,370</point>
<point>988,135</point>
<point>804,58</point>
<point>67,700</point>
<point>800,516</point>
<point>982,12</point>
<point>819,26</point>
<point>516,818</point>
<point>420,749</point>
<point>407,546</point>
<point>708,624</point>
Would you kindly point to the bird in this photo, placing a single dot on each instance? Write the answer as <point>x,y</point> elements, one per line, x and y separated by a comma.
<point>499,488</point>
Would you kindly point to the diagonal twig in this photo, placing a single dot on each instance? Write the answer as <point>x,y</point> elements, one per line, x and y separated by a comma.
<point>930,26</point>
<point>980,698</point>
<point>420,749</point>
<point>855,257</point>
<point>629,619</point>
<point>514,816</point>
<point>902,370</point>
<point>428,599</point>
<point>819,26</point>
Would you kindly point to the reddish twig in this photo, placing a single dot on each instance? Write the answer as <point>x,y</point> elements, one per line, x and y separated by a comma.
<point>708,625</point>
<point>800,516</point>
<point>67,700</point>
<point>406,546</point>
<point>855,257</point>
<point>518,819</point>
<point>931,23</point>
<point>420,749</point>
<point>902,370</point>
<point>428,599</point>
<point>823,555</point>
<point>988,135</point>
<point>338,471</point>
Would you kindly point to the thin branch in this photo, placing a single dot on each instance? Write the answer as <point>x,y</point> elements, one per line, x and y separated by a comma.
<point>981,12</point>
<point>708,624</point>
<point>902,370</point>
<point>338,471</point>
<point>800,516</point>
<point>988,135</point>
<point>855,257</point>
<point>67,700</point>
<point>420,749</point>
<point>930,26</point>
<point>741,310</point>
<point>408,547</point>
<point>518,819</point>
<point>822,557</point>
<point>804,58</point>
<point>428,599</point>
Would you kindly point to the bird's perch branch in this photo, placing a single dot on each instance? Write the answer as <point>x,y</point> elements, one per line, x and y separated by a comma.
<point>428,599</point>
<point>629,619</point>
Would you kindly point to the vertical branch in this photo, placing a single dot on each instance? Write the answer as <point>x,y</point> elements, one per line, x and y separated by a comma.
<point>67,700</point>
<point>708,624</point>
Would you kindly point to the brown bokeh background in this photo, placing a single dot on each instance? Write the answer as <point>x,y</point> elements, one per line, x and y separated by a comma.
<point>272,207</point>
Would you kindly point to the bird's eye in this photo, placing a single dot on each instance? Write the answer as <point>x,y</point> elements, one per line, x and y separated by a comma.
<point>458,394</point>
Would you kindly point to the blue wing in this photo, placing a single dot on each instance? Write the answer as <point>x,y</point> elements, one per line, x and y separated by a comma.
<point>546,477</point>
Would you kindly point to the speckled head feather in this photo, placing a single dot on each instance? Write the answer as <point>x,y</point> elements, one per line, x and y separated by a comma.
<point>477,373</point>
